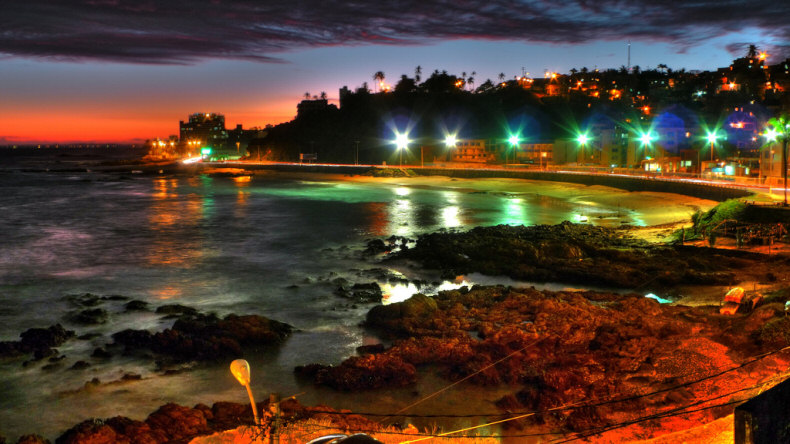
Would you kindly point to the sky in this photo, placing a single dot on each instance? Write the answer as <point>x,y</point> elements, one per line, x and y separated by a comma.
<point>122,71</point>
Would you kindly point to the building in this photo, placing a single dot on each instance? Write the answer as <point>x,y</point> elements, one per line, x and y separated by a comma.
<point>208,129</point>
<point>473,151</point>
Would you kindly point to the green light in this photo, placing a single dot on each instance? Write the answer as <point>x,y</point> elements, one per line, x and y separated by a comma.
<point>771,135</point>
<point>646,138</point>
<point>514,139</point>
<point>712,137</point>
<point>583,139</point>
<point>205,151</point>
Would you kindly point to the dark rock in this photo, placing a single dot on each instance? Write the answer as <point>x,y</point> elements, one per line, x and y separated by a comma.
<point>85,299</point>
<point>176,309</point>
<point>133,339</point>
<point>394,318</point>
<point>52,336</point>
<point>92,316</point>
<point>131,377</point>
<point>92,431</point>
<point>32,439</point>
<point>370,292</point>
<point>136,305</point>
<point>80,365</point>
<point>42,353</point>
<point>205,338</point>
<point>101,353</point>
<point>177,422</point>
<point>370,349</point>
<point>115,297</point>
<point>89,336</point>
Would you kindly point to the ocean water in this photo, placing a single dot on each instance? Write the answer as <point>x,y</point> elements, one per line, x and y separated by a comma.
<point>258,244</point>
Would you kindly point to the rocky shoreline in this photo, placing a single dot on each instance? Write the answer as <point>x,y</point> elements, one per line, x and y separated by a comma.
<point>550,348</point>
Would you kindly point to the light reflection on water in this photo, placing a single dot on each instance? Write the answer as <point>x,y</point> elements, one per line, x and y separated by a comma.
<point>248,245</point>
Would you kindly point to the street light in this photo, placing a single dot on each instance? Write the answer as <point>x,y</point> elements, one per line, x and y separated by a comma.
<point>450,141</point>
<point>646,138</point>
<point>514,139</point>
<point>712,136</point>
<point>583,139</point>
<point>241,370</point>
<point>401,142</point>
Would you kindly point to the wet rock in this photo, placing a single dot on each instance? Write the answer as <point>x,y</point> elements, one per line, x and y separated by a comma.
<point>92,431</point>
<point>363,373</point>
<point>176,422</point>
<point>84,300</point>
<point>52,336</point>
<point>32,439</point>
<point>38,341</point>
<point>92,316</point>
<point>572,253</point>
<point>80,365</point>
<point>133,339</point>
<point>206,338</point>
<point>101,353</point>
<point>370,349</point>
<point>135,305</point>
<point>176,309</point>
<point>394,319</point>
<point>89,336</point>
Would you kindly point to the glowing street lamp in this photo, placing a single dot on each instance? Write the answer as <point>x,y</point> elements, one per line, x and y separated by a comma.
<point>450,141</point>
<point>583,139</point>
<point>712,136</point>
<point>241,371</point>
<point>646,139</point>
<point>401,142</point>
<point>514,140</point>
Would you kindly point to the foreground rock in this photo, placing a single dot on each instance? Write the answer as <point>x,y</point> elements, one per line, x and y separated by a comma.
<point>174,423</point>
<point>206,337</point>
<point>578,254</point>
<point>38,341</point>
<point>562,348</point>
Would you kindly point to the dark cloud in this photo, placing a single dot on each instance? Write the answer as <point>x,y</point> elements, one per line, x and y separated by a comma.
<point>183,32</point>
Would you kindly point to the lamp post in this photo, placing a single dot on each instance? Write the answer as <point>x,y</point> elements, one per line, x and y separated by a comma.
<point>514,139</point>
<point>241,370</point>
<point>356,156</point>
<point>712,139</point>
<point>646,138</point>
<point>583,139</point>
<point>401,142</point>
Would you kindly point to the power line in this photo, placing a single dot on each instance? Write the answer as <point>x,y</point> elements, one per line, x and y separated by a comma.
<point>571,406</point>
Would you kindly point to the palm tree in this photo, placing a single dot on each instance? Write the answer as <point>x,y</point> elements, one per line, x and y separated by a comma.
<point>501,77</point>
<point>471,82</point>
<point>417,73</point>
<point>378,77</point>
<point>323,95</point>
<point>307,95</point>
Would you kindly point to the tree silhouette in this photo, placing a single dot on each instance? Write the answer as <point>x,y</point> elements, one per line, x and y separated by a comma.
<point>417,73</point>
<point>379,78</point>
